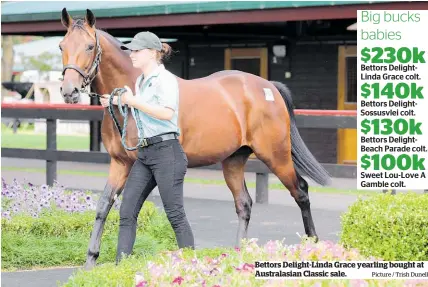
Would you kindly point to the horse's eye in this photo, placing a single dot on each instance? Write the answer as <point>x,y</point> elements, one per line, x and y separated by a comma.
<point>90,47</point>
<point>60,47</point>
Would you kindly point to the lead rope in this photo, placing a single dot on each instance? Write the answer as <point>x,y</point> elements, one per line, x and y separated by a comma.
<point>124,112</point>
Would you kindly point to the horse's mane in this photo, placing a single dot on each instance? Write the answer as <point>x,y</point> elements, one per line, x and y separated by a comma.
<point>113,40</point>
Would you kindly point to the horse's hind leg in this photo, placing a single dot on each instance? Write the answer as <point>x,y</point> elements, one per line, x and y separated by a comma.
<point>233,170</point>
<point>118,174</point>
<point>298,188</point>
<point>280,163</point>
<point>305,206</point>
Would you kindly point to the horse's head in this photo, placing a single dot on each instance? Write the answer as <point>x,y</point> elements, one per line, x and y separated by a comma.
<point>81,55</point>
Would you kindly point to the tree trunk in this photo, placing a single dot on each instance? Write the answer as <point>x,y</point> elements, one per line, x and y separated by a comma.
<point>6,62</point>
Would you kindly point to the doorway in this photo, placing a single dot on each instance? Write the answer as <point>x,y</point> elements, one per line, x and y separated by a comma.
<point>250,60</point>
<point>347,100</point>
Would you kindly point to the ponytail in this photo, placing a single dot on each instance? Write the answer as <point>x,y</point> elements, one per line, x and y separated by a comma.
<point>165,53</point>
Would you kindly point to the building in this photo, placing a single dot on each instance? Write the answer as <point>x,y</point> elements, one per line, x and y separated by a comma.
<point>310,46</point>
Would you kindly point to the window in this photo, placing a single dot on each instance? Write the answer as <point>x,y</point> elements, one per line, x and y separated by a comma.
<point>351,79</point>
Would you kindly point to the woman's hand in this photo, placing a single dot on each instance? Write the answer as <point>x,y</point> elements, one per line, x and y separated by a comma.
<point>127,96</point>
<point>105,100</point>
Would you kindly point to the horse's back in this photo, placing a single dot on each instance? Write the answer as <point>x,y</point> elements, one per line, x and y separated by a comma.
<point>227,80</point>
<point>223,89</point>
<point>257,93</point>
<point>242,93</point>
<point>238,76</point>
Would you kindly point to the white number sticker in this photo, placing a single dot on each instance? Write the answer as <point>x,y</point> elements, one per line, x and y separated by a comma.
<point>268,94</point>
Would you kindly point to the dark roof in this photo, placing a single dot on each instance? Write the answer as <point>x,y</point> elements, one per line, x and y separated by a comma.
<point>47,11</point>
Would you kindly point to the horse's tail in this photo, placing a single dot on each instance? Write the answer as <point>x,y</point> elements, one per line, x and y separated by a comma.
<point>304,162</point>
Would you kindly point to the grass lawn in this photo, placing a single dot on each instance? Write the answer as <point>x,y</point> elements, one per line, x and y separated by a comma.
<point>250,184</point>
<point>30,140</point>
<point>60,238</point>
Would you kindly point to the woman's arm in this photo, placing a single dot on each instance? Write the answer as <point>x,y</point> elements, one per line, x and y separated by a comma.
<point>160,112</point>
<point>167,93</point>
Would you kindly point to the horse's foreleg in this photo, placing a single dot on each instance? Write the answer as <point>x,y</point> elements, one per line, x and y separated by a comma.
<point>118,174</point>
<point>233,170</point>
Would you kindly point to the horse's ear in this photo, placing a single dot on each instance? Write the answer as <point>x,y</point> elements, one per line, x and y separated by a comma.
<point>66,19</point>
<point>90,18</point>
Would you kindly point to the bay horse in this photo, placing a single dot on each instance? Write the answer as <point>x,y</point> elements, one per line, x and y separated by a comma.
<point>224,117</point>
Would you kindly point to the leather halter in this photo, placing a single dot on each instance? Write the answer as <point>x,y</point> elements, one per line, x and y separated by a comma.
<point>93,71</point>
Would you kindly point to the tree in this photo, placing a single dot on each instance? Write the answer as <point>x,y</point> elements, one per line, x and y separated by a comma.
<point>6,62</point>
<point>8,55</point>
<point>44,62</point>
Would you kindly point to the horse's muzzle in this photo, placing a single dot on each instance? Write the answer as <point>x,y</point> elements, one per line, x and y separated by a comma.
<point>70,97</point>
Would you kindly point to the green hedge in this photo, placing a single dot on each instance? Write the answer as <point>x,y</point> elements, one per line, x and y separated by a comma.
<point>60,238</point>
<point>394,227</point>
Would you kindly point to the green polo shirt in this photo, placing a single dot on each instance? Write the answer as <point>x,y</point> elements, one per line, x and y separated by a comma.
<point>158,88</point>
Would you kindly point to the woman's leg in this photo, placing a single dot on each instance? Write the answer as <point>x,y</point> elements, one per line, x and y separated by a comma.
<point>137,188</point>
<point>169,171</point>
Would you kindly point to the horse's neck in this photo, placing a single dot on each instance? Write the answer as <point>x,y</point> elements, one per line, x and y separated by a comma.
<point>115,70</point>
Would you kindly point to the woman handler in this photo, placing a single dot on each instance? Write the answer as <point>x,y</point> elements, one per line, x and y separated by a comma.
<point>163,161</point>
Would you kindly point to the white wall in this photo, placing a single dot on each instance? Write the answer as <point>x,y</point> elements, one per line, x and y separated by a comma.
<point>64,127</point>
